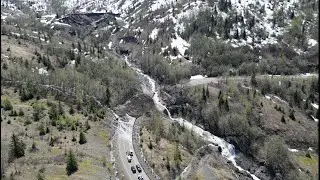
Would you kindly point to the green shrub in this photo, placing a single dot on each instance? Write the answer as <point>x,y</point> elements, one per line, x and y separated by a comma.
<point>42,130</point>
<point>82,138</point>
<point>7,106</point>
<point>21,113</point>
<point>277,157</point>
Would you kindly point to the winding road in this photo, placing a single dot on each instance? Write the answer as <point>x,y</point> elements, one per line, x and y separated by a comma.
<point>199,81</point>
<point>124,144</point>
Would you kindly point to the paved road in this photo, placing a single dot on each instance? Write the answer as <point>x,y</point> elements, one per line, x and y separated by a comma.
<point>194,82</point>
<point>124,141</point>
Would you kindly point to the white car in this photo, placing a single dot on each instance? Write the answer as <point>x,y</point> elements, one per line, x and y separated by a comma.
<point>129,159</point>
<point>131,152</point>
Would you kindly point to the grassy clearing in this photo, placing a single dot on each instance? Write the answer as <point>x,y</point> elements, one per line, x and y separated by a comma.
<point>310,164</point>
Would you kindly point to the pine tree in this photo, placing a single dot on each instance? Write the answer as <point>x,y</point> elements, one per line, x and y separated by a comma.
<point>292,15</point>
<point>253,80</point>
<point>60,111</point>
<point>226,105</point>
<point>17,148</point>
<point>297,98</point>
<point>108,97</point>
<point>41,129</point>
<point>150,144</point>
<point>283,119</point>
<point>220,94</point>
<point>244,36</point>
<point>40,176</point>
<point>204,94</point>
<point>87,125</point>
<point>79,46</point>
<point>291,114</point>
<point>82,138</point>
<point>71,111</point>
<point>236,36</point>
<point>51,142</point>
<point>177,154</point>
<point>168,164</point>
<point>72,165</point>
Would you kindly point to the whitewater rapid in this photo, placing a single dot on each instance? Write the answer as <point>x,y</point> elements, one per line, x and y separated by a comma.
<point>228,150</point>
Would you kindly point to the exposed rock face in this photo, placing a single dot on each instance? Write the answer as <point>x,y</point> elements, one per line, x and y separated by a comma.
<point>88,18</point>
<point>136,106</point>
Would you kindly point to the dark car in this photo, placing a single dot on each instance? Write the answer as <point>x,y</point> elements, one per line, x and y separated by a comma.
<point>138,168</point>
<point>133,169</point>
<point>140,177</point>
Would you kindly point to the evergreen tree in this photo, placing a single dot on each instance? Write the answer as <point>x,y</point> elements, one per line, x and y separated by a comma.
<point>51,142</point>
<point>177,155</point>
<point>297,98</point>
<point>168,164</point>
<point>82,138</point>
<point>37,113</point>
<point>108,97</point>
<point>226,105</point>
<point>78,60</point>
<point>71,111</point>
<point>220,94</point>
<point>253,80</point>
<point>79,46</point>
<point>7,106</point>
<point>53,112</point>
<point>61,111</point>
<point>291,15</point>
<point>40,176</point>
<point>72,165</point>
<point>291,114</point>
<point>204,98</point>
<point>236,36</point>
<point>41,129</point>
<point>17,148</point>
<point>244,36</point>
<point>87,125</point>
<point>283,119</point>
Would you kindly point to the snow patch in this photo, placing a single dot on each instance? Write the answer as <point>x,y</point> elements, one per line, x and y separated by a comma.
<point>180,44</point>
<point>61,24</point>
<point>110,45</point>
<point>293,150</point>
<point>197,77</point>
<point>315,105</point>
<point>154,33</point>
<point>315,119</point>
<point>311,43</point>
<point>43,71</point>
